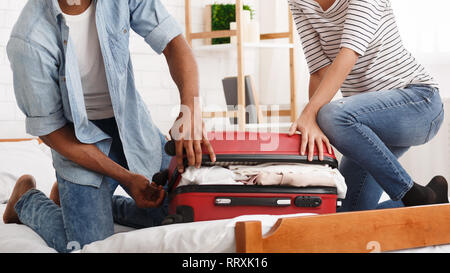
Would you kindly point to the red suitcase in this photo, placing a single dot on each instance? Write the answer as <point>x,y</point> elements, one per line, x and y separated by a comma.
<point>212,202</point>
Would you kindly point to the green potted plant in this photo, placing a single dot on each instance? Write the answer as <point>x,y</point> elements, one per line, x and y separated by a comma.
<point>221,17</point>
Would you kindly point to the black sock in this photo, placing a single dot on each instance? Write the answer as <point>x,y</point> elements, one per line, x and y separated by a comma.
<point>418,195</point>
<point>440,187</point>
<point>433,193</point>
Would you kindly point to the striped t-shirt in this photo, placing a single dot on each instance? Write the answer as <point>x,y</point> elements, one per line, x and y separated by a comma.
<point>369,28</point>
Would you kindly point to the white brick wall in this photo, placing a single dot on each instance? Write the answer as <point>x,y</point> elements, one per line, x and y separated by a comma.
<point>151,71</point>
<point>11,119</point>
<point>152,74</point>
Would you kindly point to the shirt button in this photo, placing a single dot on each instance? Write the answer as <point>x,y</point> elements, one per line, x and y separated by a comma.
<point>64,79</point>
<point>125,30</point>
<point>65,42</point>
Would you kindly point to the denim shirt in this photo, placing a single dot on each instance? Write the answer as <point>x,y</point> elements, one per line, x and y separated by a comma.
<point>47,82</point>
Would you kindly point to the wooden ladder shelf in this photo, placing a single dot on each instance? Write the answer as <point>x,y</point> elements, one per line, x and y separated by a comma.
<point>240,112</point>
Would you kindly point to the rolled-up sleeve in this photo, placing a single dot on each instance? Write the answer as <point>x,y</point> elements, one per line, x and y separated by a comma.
<point>36,87</point>
<point>151,20</point>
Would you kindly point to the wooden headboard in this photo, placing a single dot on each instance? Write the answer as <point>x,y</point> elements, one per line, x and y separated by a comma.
<point>20,139</point>
<point>356,232</point>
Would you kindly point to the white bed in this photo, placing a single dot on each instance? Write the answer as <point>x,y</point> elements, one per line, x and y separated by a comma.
<point>201,237</point>
<point>30,157</point>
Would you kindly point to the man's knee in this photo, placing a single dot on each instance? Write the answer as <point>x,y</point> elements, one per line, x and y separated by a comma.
<point>27,177</point>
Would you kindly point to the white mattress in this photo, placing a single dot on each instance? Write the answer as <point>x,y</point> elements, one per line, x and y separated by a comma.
<point>20,238</point>
<point>200,237</point>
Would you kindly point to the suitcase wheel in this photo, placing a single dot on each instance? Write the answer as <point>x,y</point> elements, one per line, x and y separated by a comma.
<point>172,219</point>
<point>185,214</point>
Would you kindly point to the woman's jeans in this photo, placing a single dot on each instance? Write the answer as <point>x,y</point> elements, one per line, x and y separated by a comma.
<point>87,214</point>
<point>372,130</point>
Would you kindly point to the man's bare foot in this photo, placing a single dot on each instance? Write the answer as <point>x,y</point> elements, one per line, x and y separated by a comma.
<point>23,184</point>
<point>54,194</point>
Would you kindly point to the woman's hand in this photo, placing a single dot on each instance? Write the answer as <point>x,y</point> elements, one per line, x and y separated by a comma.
<point>324,85</point>
<point>311,134</point>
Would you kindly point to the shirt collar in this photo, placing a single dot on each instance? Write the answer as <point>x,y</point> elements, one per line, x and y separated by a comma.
<point>56,9</point>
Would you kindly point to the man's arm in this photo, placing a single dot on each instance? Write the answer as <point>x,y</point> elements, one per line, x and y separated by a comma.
<point>86,155</point>
<point>184,72</point>
<point>183,69</point>
<point>90,157</point>
<point>38,95</point>
<point>160,30</point>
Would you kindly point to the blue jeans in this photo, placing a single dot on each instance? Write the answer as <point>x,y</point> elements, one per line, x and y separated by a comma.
<point>372,130</point>
<point>87,214</point>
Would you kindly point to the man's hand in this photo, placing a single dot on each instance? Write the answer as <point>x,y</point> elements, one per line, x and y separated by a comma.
<point>144,193</point>
<point>189,133</point>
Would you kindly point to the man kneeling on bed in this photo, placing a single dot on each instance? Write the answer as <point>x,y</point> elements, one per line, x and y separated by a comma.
<point>74,81</point>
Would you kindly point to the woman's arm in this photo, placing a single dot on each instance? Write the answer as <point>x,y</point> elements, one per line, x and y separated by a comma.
<point>315,79</point>
<point>327,88</point>
<point>333,79</point>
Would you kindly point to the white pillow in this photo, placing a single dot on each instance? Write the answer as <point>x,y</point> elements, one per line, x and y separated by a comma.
<point>25,157</point>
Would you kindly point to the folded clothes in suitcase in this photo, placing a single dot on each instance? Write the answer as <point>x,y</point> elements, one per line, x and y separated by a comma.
<point>235,150</point>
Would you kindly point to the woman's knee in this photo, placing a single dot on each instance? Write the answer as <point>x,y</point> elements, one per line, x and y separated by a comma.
<point>328,118</point>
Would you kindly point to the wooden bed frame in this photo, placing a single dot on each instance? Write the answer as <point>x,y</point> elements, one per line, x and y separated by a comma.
<point>356,232</point>
<point>20,139</point>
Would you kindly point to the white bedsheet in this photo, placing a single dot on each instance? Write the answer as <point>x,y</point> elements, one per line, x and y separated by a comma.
<point>26,157</point>
<point>200,237</point>
<point>20,238</point>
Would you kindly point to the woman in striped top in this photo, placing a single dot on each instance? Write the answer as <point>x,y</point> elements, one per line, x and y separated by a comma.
<point>389,104</point>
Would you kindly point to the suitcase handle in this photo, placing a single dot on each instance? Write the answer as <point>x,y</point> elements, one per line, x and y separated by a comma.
<point>253,201</point>
<point>299,201</point>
